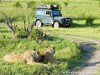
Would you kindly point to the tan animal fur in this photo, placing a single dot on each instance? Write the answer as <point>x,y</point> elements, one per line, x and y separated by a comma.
<point>48,54</point>
<point>28,57</point>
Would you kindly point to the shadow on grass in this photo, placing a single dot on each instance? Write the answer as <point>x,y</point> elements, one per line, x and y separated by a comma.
<point>52,38</point>
<point>76,25</point>
<point>4,31</point>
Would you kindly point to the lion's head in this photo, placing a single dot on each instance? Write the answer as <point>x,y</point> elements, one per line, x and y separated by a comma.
<point>50,49</point>
<point>48,54</point>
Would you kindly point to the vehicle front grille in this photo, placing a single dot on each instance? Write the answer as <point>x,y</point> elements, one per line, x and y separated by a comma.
<point>65,21</point>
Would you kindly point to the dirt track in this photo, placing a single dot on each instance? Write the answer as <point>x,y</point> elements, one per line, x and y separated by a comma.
<point>93,63</point>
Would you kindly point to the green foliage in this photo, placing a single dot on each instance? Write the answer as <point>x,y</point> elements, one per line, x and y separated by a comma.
<point>36,33</point>
<point>88,17</point>
<point>21,34</point>
<point>32,4</point>
<point>17,4</point>
<point>89,20</point>
<point>65,51</point>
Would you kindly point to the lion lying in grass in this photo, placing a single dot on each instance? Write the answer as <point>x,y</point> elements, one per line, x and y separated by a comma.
<point>28,57</point>
<point>32,56</point>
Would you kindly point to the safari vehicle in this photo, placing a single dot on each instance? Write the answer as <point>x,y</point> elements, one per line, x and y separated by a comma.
<point>50,15</point>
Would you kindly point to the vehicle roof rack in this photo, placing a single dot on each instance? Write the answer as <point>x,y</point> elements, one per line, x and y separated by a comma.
<point>45,6</point>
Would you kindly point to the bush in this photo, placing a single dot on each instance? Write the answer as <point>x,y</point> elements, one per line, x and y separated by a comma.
<point>36,33</point>
<point>31,4</point>
<point>17,4</point>
<point>21,34</point>
<point>89,20</point>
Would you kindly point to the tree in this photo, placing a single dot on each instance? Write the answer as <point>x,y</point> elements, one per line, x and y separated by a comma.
<point>9,23</point>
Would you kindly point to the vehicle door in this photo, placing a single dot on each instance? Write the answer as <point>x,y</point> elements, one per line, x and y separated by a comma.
<point>48,18</point>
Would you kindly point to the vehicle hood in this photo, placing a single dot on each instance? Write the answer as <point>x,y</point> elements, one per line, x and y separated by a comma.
<point>60,17</point>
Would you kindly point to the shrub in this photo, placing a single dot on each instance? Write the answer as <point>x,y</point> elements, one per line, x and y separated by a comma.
<point>36,33</point>
<point>31,4</point>
<point>89,20</point>
<point>17,4</point>
<point>21,34</point>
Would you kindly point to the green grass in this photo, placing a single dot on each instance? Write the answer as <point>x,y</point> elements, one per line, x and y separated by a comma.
<point>67,52</point>
<point>16,14</point>
<point>75,9</point>
<point>78,28</point>
<point>68,55</point>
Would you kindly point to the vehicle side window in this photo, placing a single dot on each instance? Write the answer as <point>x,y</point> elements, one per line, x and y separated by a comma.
<point>48,12</point>
<point>40,13</point>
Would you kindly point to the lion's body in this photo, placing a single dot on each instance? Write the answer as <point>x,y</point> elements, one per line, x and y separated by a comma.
<point>32,56</point>
<point>28,57</point>
<point>11,57</point>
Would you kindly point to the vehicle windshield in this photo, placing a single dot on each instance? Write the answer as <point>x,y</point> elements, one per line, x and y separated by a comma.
<point>56,13</point>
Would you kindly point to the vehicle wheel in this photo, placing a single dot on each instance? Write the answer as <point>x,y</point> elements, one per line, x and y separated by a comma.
<point>38,23</point>
<point>56,25</point>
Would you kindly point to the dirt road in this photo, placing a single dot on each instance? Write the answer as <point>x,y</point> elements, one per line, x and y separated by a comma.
<point>93,63</point>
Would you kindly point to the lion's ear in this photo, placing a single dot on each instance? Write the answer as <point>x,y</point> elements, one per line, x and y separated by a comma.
<point>53,47</point>
<point>53,50</point>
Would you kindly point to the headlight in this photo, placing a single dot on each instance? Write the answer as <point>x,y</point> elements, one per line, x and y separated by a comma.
<point>68,19</point>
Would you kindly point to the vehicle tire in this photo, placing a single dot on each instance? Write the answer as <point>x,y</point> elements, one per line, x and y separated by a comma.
<point>56,25</point>
<point>38,23</point>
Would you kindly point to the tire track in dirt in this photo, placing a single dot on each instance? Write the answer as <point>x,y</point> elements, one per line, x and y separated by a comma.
<point>93,63</point>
